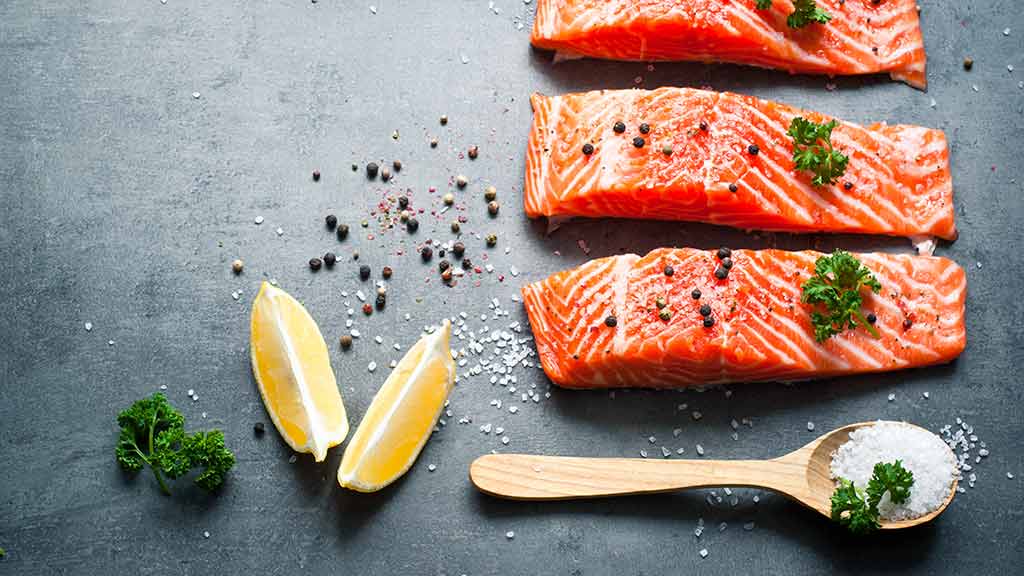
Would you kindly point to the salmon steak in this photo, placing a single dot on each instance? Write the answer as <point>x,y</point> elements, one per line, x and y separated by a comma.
<point>862,37</point>
<point>723,158</point>
<point>638,321</point>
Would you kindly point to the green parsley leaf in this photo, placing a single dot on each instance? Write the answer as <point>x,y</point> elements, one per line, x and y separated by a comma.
<point>153,434</point>
<point>857,509</point>
<point>850,509</point>
<point>836,285</point>
<point>892,478</point>
<point>812,150</point>
<point>764,4</point>
<point>806,12</point>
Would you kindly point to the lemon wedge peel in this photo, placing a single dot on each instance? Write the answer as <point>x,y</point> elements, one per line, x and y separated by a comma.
<point>428,349</point>
<point>319,437</point>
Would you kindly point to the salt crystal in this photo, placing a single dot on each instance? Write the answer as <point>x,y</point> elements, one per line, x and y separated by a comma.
<point>371,366</point>
<point>921,452</point>
<point>431,467</point>
<point>88,326</point>
<point>810,426</point>
<point>892,397</point>
<point>643,453</point>
<point>703,552</point>
<point>504,440</point>
<point>700,450</point>
<point>258,220</point>
<point>748,526</point>
<point>510,534</point>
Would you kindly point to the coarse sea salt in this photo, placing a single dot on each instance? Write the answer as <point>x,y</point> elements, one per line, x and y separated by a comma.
<point>924,454</point>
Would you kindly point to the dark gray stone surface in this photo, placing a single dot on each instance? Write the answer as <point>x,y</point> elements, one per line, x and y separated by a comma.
<point>124,200</point>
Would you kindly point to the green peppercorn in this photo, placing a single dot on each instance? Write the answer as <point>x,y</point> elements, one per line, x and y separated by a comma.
<point>491,194</point>
<point>665,315</point>
<point>456,227</point>
<point>492,240</point>
<point>660,302</point>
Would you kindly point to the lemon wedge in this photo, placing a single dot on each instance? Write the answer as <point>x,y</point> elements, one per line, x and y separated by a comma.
<point>293,372</point>
<point>401,416</point>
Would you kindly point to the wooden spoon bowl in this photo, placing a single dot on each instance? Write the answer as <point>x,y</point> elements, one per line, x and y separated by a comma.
<point>803,475</point>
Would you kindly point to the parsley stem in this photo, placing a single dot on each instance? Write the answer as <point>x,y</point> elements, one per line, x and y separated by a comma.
<point>160,479</point>
<point>867,325</point>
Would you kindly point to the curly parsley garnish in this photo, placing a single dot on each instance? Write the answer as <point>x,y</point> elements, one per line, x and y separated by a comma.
<point>804,13</point>
<point>858,509</point>
<point>153,434</point>
<point>836,284</point>
<point>813,151</point>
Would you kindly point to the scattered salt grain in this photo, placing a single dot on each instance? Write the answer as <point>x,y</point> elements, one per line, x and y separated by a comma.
<point>258,220</point>
<point>921,452</point>
<point>371,366</point>
<point>510,534</point>
<point>431,467</point>
<point>88,326</point>
<point>1009,475</point>
<point>892,397</point>
<point>700,450</point>
<point>703,552</point>
<point>810,426</point>
<point>206,534</point>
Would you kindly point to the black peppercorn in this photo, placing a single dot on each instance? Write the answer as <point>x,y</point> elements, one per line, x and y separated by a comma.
<point>315,264</point>
<point>638,142</point>
<point>403,202</point>
<point>588,148</point>
<point>397,165</point>
<point>709,321</point>
<point>645,128</point>
<point>619,127</point>
<point>364,272</point>
<point>473,152</point>
<point>330,259</point>
<point>258,428</point>
<point>721,273</point>
<point>412,225</point>
<point>443,265</point>
<point>871,318</point>
<point>727,263</point>
<point>907,323</point>
<point>316,175</point>
<point>724,252</point>
<point>459,249</point>
<point>669,270</point>
<point>467,264</point>
<point>695,294</point>
<point>848,185</point>
<point>610,321</point>
<point>426,253</point>
<point>733,188</point>
<point>342,231</point>
<point>753,149</point>
<point>703,126</point>
<point>705,310</point>
<point>332,221</point>
<point>371,170</point>
<point>381,301</point>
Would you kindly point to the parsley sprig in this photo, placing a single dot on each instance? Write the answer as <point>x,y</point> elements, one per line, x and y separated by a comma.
<point>813,151</point>
<point>804,13</point>
<point>836,284</point>
<point>153,434</point>
<point>858,509</point>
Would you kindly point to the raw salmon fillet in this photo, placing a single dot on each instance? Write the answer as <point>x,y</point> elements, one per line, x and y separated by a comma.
<point>863,37</point>
<point>899,180</point>
<point>761,331</point>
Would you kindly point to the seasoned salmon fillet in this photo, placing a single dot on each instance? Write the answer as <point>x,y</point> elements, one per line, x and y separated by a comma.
<point>863,37</point>
<point>601,325</point>
<point>726,159</point>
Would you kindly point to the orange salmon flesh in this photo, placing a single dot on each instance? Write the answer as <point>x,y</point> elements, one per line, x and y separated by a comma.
<point>761,330</point>
<point>897,181</point>
<point>863,37</point>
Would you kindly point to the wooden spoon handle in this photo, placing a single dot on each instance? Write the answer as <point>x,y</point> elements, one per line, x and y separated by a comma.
<point>526,477</point>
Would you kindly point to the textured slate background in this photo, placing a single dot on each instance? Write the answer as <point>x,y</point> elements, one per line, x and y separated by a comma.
<point>124,200</point>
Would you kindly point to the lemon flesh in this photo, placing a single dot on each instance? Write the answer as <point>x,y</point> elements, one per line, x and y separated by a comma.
<point>401,417</point>
<point>293,372</point>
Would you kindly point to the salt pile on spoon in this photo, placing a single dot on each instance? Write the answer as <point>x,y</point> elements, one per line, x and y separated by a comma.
<point>923,453</point>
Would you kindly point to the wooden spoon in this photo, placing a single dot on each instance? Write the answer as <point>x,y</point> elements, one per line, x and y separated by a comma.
<point>803,475</point>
